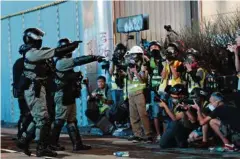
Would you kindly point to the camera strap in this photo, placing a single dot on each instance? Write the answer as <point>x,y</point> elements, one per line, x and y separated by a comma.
<point>127,86</point>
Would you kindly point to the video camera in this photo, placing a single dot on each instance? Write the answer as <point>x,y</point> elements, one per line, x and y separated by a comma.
<point>168,27</point>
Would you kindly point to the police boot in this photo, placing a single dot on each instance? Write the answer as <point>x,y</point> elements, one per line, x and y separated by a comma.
<point>55,134</point>
<point>23,124</point>
<point>76,138</point>
<point>24,141</point>
<point>43,143</point>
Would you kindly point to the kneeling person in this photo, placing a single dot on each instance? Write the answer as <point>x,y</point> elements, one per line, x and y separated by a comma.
<point>102,99</point>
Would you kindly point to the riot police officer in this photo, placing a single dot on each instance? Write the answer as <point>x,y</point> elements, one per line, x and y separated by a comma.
<point>66,94</point>
<point>35,75</point>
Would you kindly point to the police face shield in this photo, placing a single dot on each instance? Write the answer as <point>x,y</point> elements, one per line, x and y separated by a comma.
<point>36,37</point>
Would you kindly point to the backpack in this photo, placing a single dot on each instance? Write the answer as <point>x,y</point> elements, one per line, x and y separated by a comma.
<point>18,68</point>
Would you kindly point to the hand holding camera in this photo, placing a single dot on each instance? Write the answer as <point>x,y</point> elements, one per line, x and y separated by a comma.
<point>182,107</point>
<point>163,104</point>
<point>195,106</point>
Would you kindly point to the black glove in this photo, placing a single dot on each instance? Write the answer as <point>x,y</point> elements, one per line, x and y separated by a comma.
<point>45,48</point>
<point>63,50</point>
<point>76,43</point>
<point>99,58</point>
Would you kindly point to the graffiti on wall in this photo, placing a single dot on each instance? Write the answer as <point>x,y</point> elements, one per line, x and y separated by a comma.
<point>91,47</point>
<point>103,46</point>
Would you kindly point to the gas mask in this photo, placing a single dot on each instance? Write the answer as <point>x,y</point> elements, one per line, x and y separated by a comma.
<point>192,61</point>
<point>118,56</point>
<point>155,54</point>
<point>170,54</point>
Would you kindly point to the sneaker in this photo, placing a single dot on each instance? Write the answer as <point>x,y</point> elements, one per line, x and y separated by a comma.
<point>230,147</point>
<point>135,139</point>
<point>225,148</point>
<point>158,138</point>
<point>149,140</point>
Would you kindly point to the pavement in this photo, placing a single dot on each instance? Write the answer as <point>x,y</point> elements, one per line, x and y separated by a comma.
<point>105,146</point>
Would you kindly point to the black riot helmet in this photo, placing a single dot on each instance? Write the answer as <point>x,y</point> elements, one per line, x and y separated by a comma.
<point>33,37</point>
<point>157,43</point>
<point>63,42</point>
<point>192,55</point>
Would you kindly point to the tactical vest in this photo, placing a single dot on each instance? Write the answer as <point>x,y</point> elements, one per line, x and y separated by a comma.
<point>69,83</point>
<point>102,107</point>
<point>135,85</point>
<point>155,79</point>
<point>170,80</point>
<point>39,68</point>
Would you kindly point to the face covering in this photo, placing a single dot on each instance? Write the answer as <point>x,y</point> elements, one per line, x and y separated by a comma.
<point>210,106</point>
<point>155,54</point>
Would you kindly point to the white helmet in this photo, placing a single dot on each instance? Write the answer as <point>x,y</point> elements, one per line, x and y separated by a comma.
<point>136,50</point>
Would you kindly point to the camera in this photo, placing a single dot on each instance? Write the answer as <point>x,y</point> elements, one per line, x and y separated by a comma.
<point>181,109</point>
<point>168,27</point>
<point>105,65</point>
<point>187,101</point>
<point>161,97</point>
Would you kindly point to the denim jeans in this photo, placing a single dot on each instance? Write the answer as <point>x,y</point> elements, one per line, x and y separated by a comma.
<point>117,97</point>
<point>175,135</point>
<point>157,111</point>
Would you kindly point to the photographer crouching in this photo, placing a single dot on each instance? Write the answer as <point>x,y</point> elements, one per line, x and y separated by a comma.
<point>180,118</point>
<point>102,99</point>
